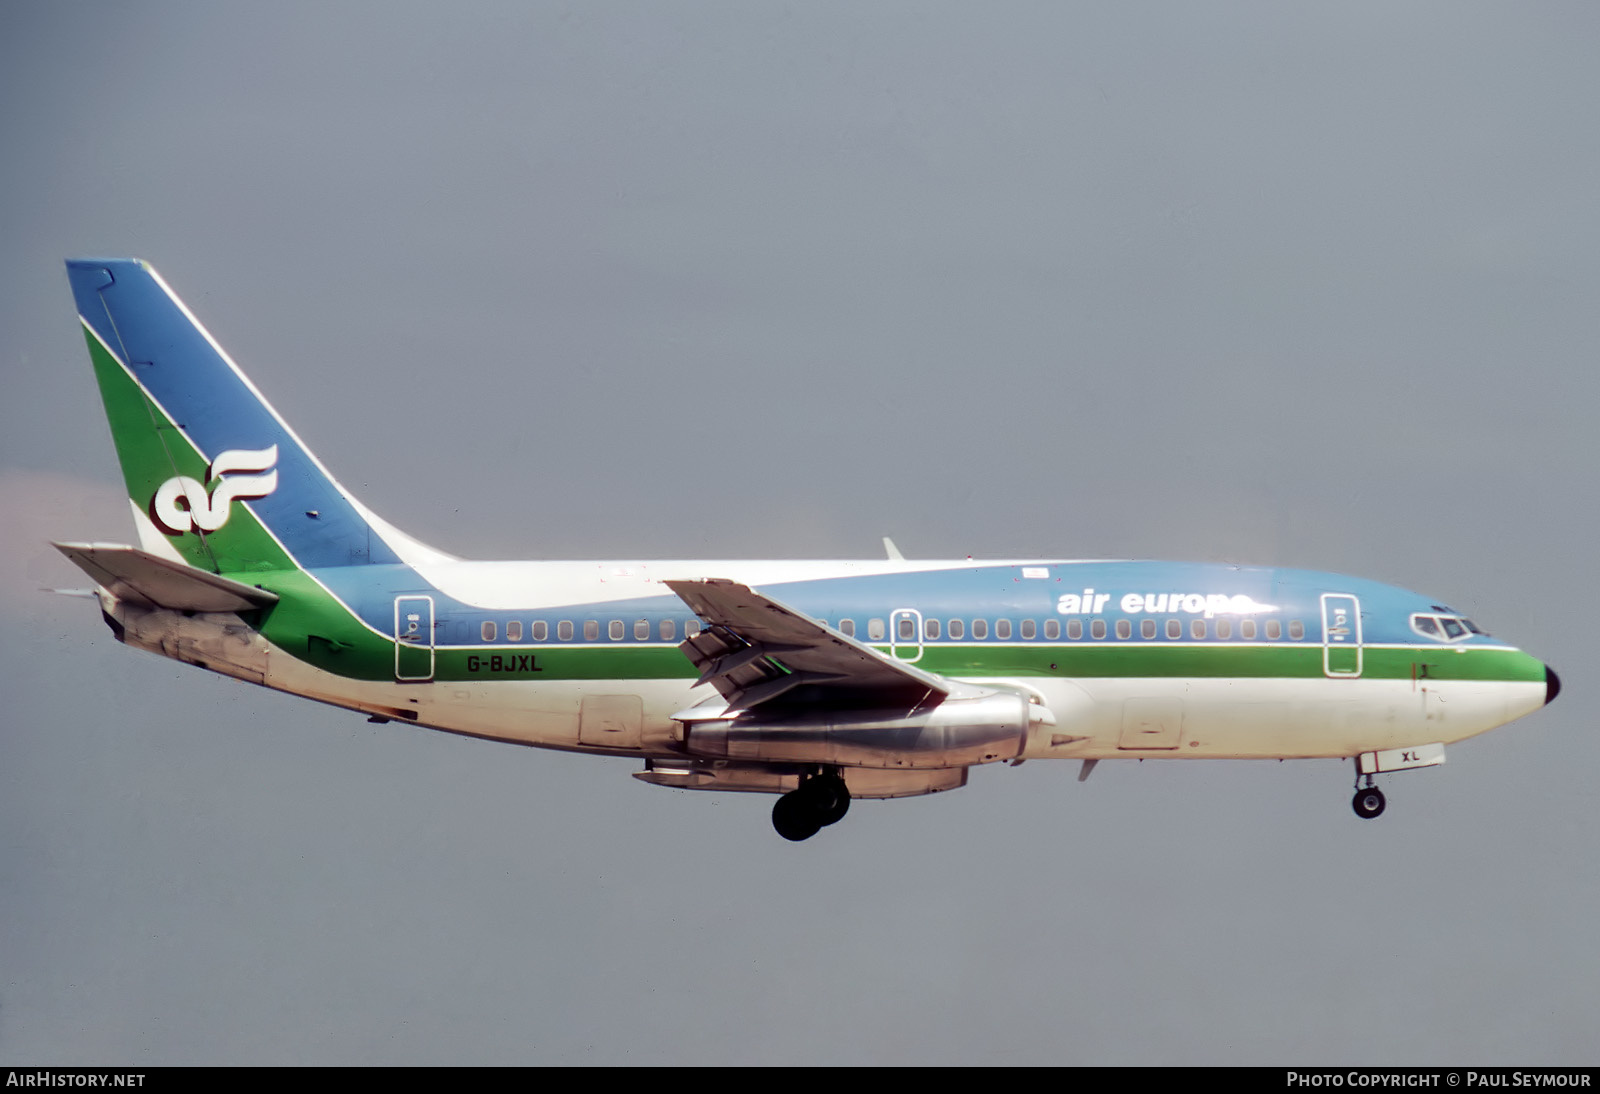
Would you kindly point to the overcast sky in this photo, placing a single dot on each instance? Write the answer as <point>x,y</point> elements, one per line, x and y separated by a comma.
<point>1304,285</point>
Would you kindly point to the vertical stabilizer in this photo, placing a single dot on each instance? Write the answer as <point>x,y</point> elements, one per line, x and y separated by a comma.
<point>215,477</point>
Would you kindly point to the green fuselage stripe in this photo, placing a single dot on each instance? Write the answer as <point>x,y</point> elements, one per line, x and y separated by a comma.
<point>1287,662</point>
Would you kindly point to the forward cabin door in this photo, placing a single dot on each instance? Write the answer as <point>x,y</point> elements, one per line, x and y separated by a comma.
<point>1341,635</point>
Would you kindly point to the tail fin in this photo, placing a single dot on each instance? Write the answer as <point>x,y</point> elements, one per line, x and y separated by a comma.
<point>215,477</point>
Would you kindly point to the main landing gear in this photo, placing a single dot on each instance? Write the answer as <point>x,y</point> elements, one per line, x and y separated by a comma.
<point>821,800</point>
<point>1369,800</point>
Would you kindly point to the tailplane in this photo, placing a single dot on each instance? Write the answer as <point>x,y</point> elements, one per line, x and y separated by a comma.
<point>139,577</point>
<point>215,477</point>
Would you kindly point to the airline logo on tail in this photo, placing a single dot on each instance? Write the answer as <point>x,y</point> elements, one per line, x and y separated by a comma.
<point>183,505</point>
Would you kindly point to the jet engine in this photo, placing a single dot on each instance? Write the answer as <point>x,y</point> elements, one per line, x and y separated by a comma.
<point>955,733</point>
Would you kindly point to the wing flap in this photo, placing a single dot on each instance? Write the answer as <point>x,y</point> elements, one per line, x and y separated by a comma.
<point>131,574</point>
<point>756,650</point>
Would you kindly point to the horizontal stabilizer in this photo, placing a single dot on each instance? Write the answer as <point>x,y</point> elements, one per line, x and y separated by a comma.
<point>131,574</point>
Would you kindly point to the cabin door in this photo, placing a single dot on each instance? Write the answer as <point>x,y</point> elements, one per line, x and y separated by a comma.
<point>413,633</point>
<point>1341,635</point>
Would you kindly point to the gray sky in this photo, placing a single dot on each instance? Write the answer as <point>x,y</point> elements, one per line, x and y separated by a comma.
<point>1303,285</point>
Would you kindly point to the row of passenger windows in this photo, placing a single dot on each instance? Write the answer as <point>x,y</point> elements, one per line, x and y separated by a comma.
<point>616,630</point>
<point>1029,630</point>
<point>932,629</point>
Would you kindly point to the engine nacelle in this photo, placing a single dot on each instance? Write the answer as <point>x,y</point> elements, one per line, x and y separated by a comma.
<point>956,733</point>
<point>864,782</point>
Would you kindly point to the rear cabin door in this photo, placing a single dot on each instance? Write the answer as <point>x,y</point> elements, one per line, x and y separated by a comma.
<point>413,632</point>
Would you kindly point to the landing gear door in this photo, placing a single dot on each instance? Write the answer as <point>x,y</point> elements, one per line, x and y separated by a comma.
<point>413,633</point>
<point>1341,635</point>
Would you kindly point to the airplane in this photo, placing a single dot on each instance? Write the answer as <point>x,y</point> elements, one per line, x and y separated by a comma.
<point>818,681</point>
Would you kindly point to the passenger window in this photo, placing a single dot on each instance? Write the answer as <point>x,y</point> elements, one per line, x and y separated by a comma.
<point>958,629</point>
<point>1197,629</point>
<point>847,627</point>
<point>668,630</point>
<point>1052,630</point>
<point>1097,629</point>
<point>488,631</point>
<point>1124,629</point>
<point>691,627</point>
<point>541,630</point>
<point>875,630</point>
<point>1147,628</point>
<point>1224,628</point>
<point>514,631</point>
<point>1297,629</point>
<point>591,629</point>
<point>1274,630</point>
<point>1030,629</point>
<point>980,628</point>
<point>1247,629</point>
<point>615,630</point>
<point>1002,629</point>
<point>641,629</point>
<point>930,628</point>
<point>1074,628</point>
<point>907,628</point>
<point>1174,629</point>
<point>564,630</point>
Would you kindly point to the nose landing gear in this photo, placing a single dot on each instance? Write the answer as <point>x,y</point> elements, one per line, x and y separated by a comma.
<point>1369,800</point>
<point>822,799</point>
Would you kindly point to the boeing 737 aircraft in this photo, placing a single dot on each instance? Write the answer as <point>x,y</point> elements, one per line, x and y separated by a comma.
<point>817,681</point>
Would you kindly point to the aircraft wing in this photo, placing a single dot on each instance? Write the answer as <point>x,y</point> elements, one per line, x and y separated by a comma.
<point>756,651</point>
<point>131,574</point>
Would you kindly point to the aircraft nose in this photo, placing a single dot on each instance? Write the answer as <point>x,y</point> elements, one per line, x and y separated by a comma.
<point>1552,685</point>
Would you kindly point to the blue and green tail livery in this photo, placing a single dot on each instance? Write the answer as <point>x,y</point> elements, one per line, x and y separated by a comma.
<point>217,474</point>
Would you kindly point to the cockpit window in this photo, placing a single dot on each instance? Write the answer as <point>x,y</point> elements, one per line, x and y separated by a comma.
<point>1444,628</point>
